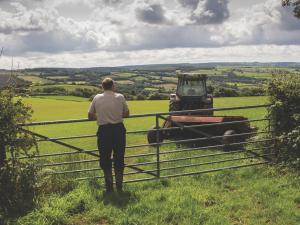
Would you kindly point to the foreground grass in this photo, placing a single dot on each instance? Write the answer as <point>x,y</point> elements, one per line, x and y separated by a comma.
<point>258,195</point>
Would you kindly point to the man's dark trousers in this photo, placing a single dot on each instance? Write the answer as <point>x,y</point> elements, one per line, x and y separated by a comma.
<point>112,138</point>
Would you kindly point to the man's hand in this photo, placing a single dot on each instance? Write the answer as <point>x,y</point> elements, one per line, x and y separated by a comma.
<point>92,116</point>
<point>126,114</point>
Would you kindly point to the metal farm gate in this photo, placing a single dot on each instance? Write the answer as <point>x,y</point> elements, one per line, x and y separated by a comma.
<point>76,156</point>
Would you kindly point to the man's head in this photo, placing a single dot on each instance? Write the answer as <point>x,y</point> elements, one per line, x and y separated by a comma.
<point>108,84</point>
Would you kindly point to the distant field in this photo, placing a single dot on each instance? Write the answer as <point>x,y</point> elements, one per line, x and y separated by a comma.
<point>257,75</point>
<point>35,79</point>
<point>139,78</point>
<point>166,86</point>
<point>68,87</point>
<point>244,85</point>
<point>171,79</point>
<point>124,82</point>
<point>151,89</point>
<point>63,98</point>
<point>124,74</point>
<point>58,77</point>
<point>210,72</point>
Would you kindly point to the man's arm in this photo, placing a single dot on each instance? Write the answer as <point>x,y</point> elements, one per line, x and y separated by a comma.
<point>92,111</point>
<point>125,109</point>
<point>126,114</point>
<point>92,116</point>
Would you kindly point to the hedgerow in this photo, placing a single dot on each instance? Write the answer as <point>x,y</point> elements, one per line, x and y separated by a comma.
<point>284,93</point>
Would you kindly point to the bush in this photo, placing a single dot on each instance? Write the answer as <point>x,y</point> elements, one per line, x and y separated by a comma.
<point>54,90</point>
<point>140,97</point>
<point>284,92</point>
<point>13,139</point>
<point>158,96</point>
<point>258,91</point>
<point>17,188</point>
<point>225,92</point>
<point>84,92</point>
<point>17,180</point>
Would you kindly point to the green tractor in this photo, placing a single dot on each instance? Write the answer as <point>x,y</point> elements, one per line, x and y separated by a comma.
<point>191,94</point>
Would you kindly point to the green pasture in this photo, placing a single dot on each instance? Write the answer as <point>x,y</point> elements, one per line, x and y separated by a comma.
<point>257,75</point>
<point>58,77</point>
<point>140,78</point>
<point>245,85</point>
<point>129,75</point>
<point>64,109</point>
<point>63,98</point>
<point>150,89</point>
<point>171,79</point>
<point>167,86</point>
<point>124,82</point>
<point>68,87</point>
<point>67,107</point>
<point>35,79</point>
<point>210,72</point>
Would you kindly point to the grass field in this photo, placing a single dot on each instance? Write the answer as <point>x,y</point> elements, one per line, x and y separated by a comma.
<point>35,79</point>
<point>260,195</point>
<point>245,85</point>
<point>61,109</point>
<point>129,75</point>
<point>258,75</point>
<point>125,82</point>
<point>68,87</point>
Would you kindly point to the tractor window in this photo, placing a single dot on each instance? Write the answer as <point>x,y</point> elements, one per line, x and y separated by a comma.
<point>192,88</point>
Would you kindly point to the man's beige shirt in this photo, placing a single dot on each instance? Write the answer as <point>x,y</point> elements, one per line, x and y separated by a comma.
<point>109,107</point>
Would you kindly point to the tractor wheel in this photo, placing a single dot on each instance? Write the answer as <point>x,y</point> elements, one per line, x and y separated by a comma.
<point>174,106</point>
<point>151,136</point>
<point>227,140</point>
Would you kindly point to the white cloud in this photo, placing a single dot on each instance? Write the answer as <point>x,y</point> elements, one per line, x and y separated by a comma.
<point>207,11</point>
<point>52,28</point>
<point>264,23</point>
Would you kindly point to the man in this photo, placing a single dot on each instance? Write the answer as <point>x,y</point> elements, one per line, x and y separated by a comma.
<point>109,109</point>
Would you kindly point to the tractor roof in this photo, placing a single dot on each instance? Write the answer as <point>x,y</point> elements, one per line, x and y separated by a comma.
<point>190,76</point>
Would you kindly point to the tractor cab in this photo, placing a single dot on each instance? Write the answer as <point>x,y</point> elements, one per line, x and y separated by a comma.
<point>191,94</point>
<point>191,86</point>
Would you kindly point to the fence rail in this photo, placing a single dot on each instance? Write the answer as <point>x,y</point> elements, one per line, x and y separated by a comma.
<point>163,159</point>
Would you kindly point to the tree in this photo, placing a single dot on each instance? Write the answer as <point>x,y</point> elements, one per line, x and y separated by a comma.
<point>295,4</point>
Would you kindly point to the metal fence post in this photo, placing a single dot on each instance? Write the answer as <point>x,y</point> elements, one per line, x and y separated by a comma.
<point>157,146</point>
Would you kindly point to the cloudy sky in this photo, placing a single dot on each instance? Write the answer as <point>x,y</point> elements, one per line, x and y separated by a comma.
<point>86,33</point>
